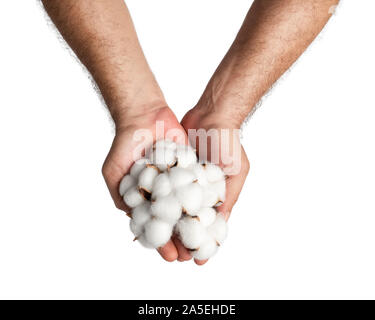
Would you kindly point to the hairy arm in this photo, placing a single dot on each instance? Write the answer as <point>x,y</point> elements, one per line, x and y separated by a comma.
<point>102,35</point>
<point>274,34</point>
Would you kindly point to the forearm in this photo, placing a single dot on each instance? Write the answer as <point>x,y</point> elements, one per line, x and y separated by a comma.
<point>274,34</point>
<point>102,35</point>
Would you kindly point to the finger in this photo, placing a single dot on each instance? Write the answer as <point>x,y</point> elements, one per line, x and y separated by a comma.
<point>200,262</point>
<point>234,186</point>
<point>168,252</point>
<point>183,253</point>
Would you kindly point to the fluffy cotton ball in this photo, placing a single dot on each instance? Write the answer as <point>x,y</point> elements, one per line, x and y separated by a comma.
<point>126,183</point>
<point>158,232</point>
<point>185,155</point>
<point>141,214</point>
<point>213,172</point>
<point>136,229</point>
<point>219,229</point>
<point>219,189</point>
<point>190,197</point>
<point>133,197</point>
<point>180,177</point>
<point>200,173</point>
<point>147,177</point>
<point>210,197</point>
<point>206,216</point>
<point>162,186</point>
<point>163,158</point>
<point>167,209</point>
<point>207,249</point>
<point>143,241</point>
<point>191,232</point>
<point>138,166</point>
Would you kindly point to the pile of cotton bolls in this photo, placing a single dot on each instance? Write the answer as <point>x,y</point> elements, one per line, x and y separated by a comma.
<point>170,192</point>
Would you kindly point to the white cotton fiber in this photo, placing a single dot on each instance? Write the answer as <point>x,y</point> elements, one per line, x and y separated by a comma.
<point>163,158</point>
<point>190,197</point>
<point>170,192</point>
<point>207,249</point>
<point>133,197</point>
<point>192,233</point>
<point>200,173</point>
<point>147,177</point>
<point>162,186</point>
<point>158,232</point>
<point>138,166</point>
<point>167,208</point>
<point>186,156</point>
<point>206,216</point>
<point>218,230</point>
<point>213,172</point>
<point>180,177</point>
<point>126,183</point>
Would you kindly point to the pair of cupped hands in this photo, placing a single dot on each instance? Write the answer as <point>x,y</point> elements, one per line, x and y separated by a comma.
<point>120,159</point>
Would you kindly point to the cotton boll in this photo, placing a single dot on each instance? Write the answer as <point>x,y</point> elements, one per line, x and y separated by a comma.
<point>163,158</point>
<point>136,229</point>
<point>219,229</point>
<point>192,233</point>
<point>180,177</point>
<point>207,216</point>
<point>147,177</point>
<point>141,214</point>
<point>138,166</point>
<point>185,155</point>
<point>207,249</point>
<point>210,197</point>
<point>200,173</point>
<point>165,144</point>
<point>143,241</point>
<point>190,197</point>
<point>162,186</point>
<point>167,209</point>
<point>213,172</point>
<point>158,232</point>
<point>219,188</point>
<point>126,183</point>
<point>133,197</point>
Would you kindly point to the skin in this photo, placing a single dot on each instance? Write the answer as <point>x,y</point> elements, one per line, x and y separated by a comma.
<point>101,33</point>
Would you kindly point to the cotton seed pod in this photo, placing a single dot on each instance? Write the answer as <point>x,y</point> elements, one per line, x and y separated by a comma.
<point>143,241</point>
<point>219,188</point>
<point>190,197</point>
<point>147,176</point>
<point>213,172</point>
<point>163,158</point>
<point>206,250</point>
<point>138,166</point>
<point>133,197</point>
<point>180,177</point>
<point>200,173</point>
<point>191,232</point>
<point>219,229</point>
<point>165,144</point>
<point>210,197</point>
<point>126,183</point>
<point>162,186</point>
<point>158,232</point>
<point>141,214</point>
<point>167,209</point>
<point>207,216</point>
<point>136,229</point>
<point>186,156</point>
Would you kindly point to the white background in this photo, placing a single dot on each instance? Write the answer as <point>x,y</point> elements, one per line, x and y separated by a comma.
<point>304,225</point>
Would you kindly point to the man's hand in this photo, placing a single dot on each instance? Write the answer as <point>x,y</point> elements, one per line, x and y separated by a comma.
<point>196,119</point>
<point>120,159</point>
